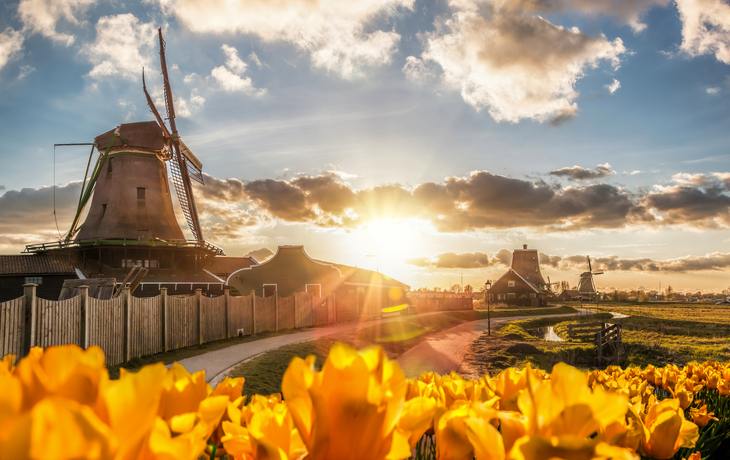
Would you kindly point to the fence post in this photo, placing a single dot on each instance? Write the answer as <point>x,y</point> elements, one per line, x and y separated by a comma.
<point>311,307</point>
<point>29,339</point>
<point>127,307</point>
<point>84,323</point>
<point>163,307</point>
<point>199,312</point>
<point>227,303</point>
<point>253,311</point>
<point>327,308</point>
<point>276,309</point>
<point>599,348</point>
<point>334,302</point>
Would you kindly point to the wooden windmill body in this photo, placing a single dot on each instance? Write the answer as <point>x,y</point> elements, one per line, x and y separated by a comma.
<point>586,285</point>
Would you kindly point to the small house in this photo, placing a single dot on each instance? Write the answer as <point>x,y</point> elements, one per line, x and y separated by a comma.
<point>569,295</point>
<point>357,292</point>
<point>523,283</point>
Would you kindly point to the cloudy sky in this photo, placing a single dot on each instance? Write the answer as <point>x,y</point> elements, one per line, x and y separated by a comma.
<point>438,135</point>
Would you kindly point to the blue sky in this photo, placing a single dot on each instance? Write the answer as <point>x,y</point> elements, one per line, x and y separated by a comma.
<point>326,123</point>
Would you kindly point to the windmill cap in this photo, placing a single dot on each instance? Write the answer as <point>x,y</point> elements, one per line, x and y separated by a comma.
<point>524,246</point>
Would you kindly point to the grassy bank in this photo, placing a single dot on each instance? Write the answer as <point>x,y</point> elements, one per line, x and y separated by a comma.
<point>263,374</point>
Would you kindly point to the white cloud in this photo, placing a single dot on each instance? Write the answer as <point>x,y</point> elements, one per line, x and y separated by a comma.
<point>705,28</point>
<point>713,90</point>
<point>184,108</point>
<point>335,33</point>
<point>123,46</point>
<point>234,63</point>
<point>41,16</point>
<point>517,65</point>
<point>255,59</point>
<point>229,77</point>
<point>613,86</point>
<point>11,43</point>
<point>191,77</point>
<point>633,173</point>
<point>416,70</point>
<point>25,70</point>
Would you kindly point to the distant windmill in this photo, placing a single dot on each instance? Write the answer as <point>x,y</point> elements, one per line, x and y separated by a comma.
<point>585,283</point>
<point>550,285</point>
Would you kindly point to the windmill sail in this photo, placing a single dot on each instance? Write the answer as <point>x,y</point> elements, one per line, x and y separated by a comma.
<point>179,164</point>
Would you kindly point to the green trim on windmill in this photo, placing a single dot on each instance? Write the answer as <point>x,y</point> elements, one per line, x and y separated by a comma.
<point>86,192</point>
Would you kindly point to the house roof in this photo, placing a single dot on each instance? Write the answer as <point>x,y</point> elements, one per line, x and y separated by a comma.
<point>223,265</point>
<point>571,293</point>
<point>361,276</point>
<point>36,264</point>
<point>531,285</point>
<point>164,276</point>
<point>526,262</point>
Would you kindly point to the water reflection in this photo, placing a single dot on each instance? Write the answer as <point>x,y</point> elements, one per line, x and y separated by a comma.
<point>546,333</point>
<point>617,315</point>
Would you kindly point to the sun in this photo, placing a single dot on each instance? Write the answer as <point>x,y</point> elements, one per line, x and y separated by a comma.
<point>390,238</point>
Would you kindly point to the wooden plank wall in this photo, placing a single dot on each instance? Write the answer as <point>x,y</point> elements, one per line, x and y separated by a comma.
<point>182,322</point>
<point>145,336</point>
<point>58,322</point>
<point>106,328</point>
<point>241,315</point>
<point>213,316</point>
<point>12,326</point>
<point>287,314</point>
<point>303,309</point>
<point>265,314</point>
<point>319,307</point>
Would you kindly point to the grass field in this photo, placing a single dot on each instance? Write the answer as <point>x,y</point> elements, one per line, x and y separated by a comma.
<point>653,333</point>
<point>263,374</point>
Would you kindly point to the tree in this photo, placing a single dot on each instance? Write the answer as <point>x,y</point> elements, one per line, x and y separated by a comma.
<point>468,289</point>
<point>455,288</point>
<point>669,292</point>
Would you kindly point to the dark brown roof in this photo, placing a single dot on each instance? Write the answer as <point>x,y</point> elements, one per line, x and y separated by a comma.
<point>36,264</point>
<point>144,134</point>
<point>526,262</point>
<point>361,276</point>
<point>163,276</point>
<point>221,265</point>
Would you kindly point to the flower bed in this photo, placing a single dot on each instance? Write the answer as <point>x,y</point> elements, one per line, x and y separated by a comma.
<point>59,403</point>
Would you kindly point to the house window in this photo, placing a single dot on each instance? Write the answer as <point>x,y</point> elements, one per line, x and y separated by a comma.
<point>511,295</point>
<point>510,283</point>
<point>103,210</point>
<point>109,166</point>
<point>500,296</point>
<point>269,290</point>
<point>143,235</point>
<point>314,289</point>
<point>34,280</point>
<point>140,193</point>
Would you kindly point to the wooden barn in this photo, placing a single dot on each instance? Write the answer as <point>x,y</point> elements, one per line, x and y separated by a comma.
<point>358,292</point>
<point>571,295</point>
<point>523,283</point>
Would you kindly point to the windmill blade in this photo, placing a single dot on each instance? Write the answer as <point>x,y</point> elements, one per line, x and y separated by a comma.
<point>151,104</point>
<point>598,273</point>
<point>179,165</point>
<point>589,263</point>
<point>195,167</point>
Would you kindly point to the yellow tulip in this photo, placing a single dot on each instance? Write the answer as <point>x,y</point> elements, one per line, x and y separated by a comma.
<point>11,397</point>
<point>350,409</point>
<point>67,371</point>
<point>182,392</point>
<point>417,418</point>
<point>7,364</point>
<point>568,447</point>
<point>452,442</point>
<point>695,456</point>
<point>233,388</point>
<point>59,429</point>
<point>701,417</point>
<point>666,430</point>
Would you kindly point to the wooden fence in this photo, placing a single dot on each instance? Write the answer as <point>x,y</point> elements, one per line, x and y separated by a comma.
<point>441,301</point>
<point>129,327</point>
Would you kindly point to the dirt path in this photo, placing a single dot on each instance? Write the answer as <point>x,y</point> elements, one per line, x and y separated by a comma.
<point>445,351</point>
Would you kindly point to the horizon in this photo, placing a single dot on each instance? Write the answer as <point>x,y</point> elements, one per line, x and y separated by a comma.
<point>437,136</point>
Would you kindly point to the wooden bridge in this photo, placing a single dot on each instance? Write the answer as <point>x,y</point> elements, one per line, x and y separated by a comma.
<point>606,337</point>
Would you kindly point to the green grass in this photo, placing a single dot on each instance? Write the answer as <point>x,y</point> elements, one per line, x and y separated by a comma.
<point>264,373</point>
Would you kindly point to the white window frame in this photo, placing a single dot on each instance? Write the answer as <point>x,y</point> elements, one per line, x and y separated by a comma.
<point>276,289</point>
<point>319,285</point>
<point>511,283</point>
<point>34,280</point>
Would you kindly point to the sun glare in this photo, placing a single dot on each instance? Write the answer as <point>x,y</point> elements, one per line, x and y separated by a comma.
<point>390,238</point>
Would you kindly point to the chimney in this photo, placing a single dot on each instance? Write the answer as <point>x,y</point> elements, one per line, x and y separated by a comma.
<point>524,246</point>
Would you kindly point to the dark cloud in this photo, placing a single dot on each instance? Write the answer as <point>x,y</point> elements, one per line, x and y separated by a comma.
<point>464,260</point>
<point>578,173</point>
<point>452,260</point>
<point>691,205</point>
<point>578,263</point>
<point>261,254</point>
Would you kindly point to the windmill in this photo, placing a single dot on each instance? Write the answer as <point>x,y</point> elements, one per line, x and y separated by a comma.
<point>137,154</point>
<point>585,283</point>
<point>550,285</point>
